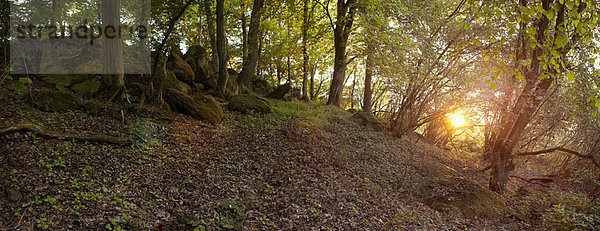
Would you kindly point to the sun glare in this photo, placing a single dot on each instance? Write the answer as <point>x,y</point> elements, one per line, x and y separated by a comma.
<point>457,119</point>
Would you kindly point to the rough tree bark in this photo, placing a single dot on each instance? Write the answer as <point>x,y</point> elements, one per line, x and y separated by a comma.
<point>345,17</point>
<point>514,122</point>
<point>251,60</point>
<point>221,47</point>
<point>112,49</point>
<point>368,93</point>
<point>211,34</point>
<point>305,27</point>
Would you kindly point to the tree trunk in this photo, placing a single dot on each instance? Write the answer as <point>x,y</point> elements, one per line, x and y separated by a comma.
<point>54,18</point>
<point>221,47</point>
<point>244,32</point>
<point>341,32</point>
<point>313,72</point>
<point>253,45</point>
<point>211,34</point>
<point>112,49</point>
<point>368,94</point>
<point>514,122</point>
<point>305,50</point>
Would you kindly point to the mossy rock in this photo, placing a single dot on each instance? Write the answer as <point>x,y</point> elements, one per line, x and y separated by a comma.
<point>204,108</point>
<point>173,82</point>
<point>168,77</point>
<point>197,58</point>
<point>369,120</point>
<point>280,92</point>
<point>247,103</point>
<point>54,101</point>
<point>13,195</point>
<point>183,71</point>
<point>470,198</point>
<point>87,87</point>
<point>232,87</point>
<point>92,107</point>
<point>260,86</point>
<point>65,80</point>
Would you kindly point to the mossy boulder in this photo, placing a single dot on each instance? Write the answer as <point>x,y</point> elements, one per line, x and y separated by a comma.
<point>369,120</point>
<point>167,77</point>
<point>92,107</point>
<point>280,92</point>
<point>247,103</point>
<point>87,87</point>
<point>232,87</point>
<point>197,58</point>
<point>260,86</point>
<point>183,70</point>
<point>54,101</point>
<point>173,82</point>
<point>13,195</point>
<point>204,108</point>
<point>471,199</point>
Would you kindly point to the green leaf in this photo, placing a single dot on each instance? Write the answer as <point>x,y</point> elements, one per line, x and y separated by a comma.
<point>570,76</point>
<point>25,80</point>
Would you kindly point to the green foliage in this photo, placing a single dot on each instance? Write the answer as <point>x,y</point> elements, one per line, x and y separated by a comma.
<point>562,210</point>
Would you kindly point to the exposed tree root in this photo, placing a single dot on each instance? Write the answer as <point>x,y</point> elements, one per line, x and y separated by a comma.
<point>55,135</point>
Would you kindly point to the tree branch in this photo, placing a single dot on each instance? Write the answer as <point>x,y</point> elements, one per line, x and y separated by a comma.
<point>589,156</point>
<point>55,135</point>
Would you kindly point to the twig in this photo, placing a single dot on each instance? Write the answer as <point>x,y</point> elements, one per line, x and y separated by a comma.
<point>21,219</point>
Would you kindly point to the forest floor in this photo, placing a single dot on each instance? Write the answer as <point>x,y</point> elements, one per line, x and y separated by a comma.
<point>303,167</point>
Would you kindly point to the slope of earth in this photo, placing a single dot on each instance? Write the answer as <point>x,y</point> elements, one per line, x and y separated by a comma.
<point>302,167</point>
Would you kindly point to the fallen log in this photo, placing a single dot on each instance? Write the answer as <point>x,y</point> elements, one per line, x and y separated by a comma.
<point>28,127</point>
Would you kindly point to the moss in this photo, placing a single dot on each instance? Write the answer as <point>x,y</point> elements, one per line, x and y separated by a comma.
<point>92,107</point>
<point>368,120</point>
<point>280,92</point>
<point>54,101</point>
<point>197,58</point>
<point>247,103</point>
<point>232,87</point>
<point>64,80</point>
<point>473,200</point>
<point>205,108</point>
<point>87,87</point>
<point>181,68</point>
<point>260,86</point>
<point>169,80</point>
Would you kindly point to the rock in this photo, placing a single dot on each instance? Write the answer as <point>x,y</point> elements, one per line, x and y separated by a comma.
<point>197,58</point>
<point>167,77</point>
<point>280,92</point>
<point>176,84</point>
<point>369,120</point>
<point>247,103</point>
<point>87,87</point>
<point>525,191</point>
<point>473,200</point>
<point>54,101</point>
<point>13,195</point>
<point>92,107</point>
<point>260,86</point>
<point>232,87</point>
<point>65,80</point>
<point>182,69</point>
<point>205,108</point>
<point>295,93</point>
